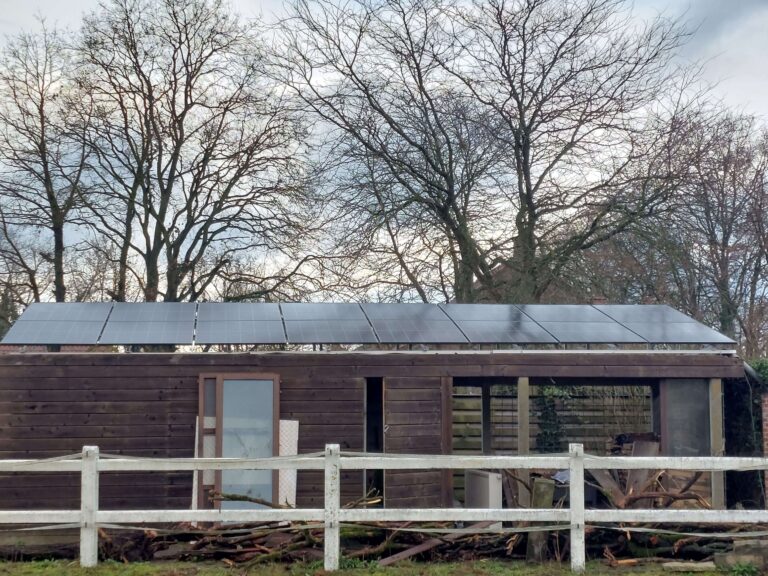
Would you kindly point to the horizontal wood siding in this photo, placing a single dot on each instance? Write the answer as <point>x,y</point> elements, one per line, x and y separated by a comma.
<point>329,411</point>
<point>413,425</point>
<point>146,404</point>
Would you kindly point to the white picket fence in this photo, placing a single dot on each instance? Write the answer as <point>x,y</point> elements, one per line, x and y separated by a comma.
<point>89,517</point>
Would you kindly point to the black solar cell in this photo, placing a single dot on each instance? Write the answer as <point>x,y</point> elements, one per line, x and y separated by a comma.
<point>237,311</point>
<point>330,332</point>
<point>240,332</point>
<point>677,333</point>
<point>330,311</point>
<point>52,332</point>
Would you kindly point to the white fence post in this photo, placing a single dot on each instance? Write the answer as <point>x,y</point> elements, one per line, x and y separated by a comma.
<point>576,482</point>
<point>89,505</point>
<point>332,504</point>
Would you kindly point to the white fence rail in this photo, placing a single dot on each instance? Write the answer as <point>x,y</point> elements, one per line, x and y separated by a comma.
<point>89,517</point>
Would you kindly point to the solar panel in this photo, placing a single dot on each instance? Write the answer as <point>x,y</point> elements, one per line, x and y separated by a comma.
<point>489,332</point>
<point>592,333</point>
<point>144,332</point>
<point>237,311</point>
<point>489,312</point>
<point>404,311</point>
<point>563,313</point>
<point>413,331</point>
<point>325,332</point>
<point>347,323</point>
<point>237,332</point>
<point>677,333</point>
<point>624,313</point>
<point>53,332</point>
<point>67,311</point>
<point>331,311</point>
<point>153,312</point>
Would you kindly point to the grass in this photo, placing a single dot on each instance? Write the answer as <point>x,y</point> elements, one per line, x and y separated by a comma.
<point>357,568</point>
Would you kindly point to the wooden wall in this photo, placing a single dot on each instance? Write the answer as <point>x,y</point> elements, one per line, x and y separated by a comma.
<point>414,422</point>
<point>591,415</point>
<point>146,404</point>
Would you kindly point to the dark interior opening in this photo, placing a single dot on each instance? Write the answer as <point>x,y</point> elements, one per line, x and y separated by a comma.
<point>374,431</point>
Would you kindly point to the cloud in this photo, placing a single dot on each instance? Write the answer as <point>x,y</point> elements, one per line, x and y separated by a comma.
<point>714,19</point>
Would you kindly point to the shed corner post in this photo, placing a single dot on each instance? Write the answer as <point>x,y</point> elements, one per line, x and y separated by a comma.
<point>89,506</point>
<point>332,505</point>
<point>576,482</point>
<point>716,440</point>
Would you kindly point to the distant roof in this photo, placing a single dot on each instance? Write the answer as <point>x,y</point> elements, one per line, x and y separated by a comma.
<point>107,323</point>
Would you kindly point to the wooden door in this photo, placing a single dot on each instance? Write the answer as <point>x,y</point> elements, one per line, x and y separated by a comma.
<point>416,421</point>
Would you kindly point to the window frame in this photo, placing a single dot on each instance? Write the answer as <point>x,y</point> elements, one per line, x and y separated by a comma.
<point>219,378</point>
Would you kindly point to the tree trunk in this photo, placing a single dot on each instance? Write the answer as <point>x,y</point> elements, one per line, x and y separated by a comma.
<point>152,287</point>
<point>125,246</point>
<point>59,287</point>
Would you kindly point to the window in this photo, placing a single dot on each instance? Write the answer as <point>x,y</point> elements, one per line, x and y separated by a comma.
<point>239,418</point>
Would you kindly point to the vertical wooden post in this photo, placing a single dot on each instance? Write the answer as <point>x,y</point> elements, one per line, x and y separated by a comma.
<point>446,445</point>
<point>716,440</point>
<point>89,505</point>
<point>543,493</point>
<point>485,390</point>
<point>576,498</point>
<point>524,432</point>
<point>332,504</point>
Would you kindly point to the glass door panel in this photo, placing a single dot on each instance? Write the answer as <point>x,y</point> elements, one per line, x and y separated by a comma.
<point>247,431</point>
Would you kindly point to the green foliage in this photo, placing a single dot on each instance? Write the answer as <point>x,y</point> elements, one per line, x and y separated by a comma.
<point>744,569</point>
<point>743,432</point>
<point>551,432</point>
<point>761,367</point>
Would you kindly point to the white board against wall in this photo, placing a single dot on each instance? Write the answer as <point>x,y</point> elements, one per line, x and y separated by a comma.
<point>289,446</point>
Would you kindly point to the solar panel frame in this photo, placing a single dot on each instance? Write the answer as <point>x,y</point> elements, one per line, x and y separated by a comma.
<point>325,332</point>
<point>238,312</point>
<point>240,332</point>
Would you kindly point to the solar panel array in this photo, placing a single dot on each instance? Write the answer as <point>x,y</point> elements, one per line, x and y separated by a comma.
<point>171,323</point>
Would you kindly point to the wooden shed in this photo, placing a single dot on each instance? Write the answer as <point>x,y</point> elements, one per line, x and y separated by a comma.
<point>375,378</point>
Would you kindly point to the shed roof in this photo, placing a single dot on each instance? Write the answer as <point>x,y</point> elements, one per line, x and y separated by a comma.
<point>173,323</point>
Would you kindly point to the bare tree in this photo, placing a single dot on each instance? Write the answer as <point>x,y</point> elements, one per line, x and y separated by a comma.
<point>41,158</point>
<point>707,254</point>
<point>418,159</point>
<point>522,132</point>
<point>196,156</point>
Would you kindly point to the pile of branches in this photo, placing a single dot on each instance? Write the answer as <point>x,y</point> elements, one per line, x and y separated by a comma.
<point>249,544</point>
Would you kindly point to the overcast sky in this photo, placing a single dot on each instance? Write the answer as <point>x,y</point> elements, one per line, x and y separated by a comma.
<point>731,37</point>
